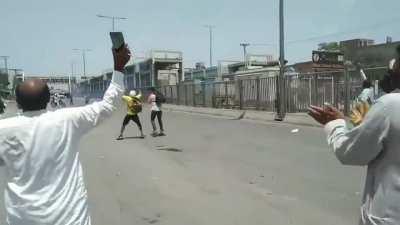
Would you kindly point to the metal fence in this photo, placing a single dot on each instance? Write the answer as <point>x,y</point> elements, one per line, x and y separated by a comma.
<point>301,90</point>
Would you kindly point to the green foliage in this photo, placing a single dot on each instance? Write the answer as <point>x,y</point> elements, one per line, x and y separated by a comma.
<point>329,46</point>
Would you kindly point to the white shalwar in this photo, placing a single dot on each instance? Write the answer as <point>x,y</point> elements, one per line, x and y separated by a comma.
<point>40,151</point>
<point>375,143</point>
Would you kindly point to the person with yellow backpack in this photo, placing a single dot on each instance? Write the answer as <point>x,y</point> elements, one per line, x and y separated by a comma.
<point>134,107</point>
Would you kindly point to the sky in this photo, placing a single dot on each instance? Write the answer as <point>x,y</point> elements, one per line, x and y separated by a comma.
<point>39,35</point>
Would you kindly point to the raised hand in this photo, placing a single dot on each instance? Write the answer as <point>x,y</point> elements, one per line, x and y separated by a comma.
<point>121,58</point>
<point>324,115</point>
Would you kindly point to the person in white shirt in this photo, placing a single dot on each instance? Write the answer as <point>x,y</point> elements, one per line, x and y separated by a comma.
<point>40,152</point>
<point>374,143</point>
<point>156,112</point>
<point>367,94</point>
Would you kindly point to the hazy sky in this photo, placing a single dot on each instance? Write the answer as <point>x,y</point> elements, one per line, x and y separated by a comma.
<point>40,35</point>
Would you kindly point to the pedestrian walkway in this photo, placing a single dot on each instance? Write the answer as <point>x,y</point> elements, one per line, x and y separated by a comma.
<point>263,116</point>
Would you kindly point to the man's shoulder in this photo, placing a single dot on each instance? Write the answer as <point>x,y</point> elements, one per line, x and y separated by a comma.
<point>390,103</point>
<point>390,98</point>
<point>63,114</point>
<point>14,122</point>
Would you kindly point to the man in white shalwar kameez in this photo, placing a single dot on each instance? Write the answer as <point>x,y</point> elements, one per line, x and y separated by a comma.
<point>374,143</point>
<point>40,151</point>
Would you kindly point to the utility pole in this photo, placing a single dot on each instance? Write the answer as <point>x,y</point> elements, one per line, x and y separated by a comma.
<point>83,51</point>
<point>210,29</point>
<point>347,67</point>
<point>280,95</point>
<point>245,45</point>
<point>112,18</point>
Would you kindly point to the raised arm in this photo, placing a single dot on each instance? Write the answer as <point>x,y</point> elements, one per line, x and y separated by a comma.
<point>362,144</point>
<point>85,118</point>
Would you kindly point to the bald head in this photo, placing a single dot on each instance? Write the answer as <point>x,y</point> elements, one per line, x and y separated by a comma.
<point>32,95</point>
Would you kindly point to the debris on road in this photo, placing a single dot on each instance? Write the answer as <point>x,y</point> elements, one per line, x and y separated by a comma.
<point>295,130</point>
<point>153,221</point>
<point>268,193</point>
<point>241,116</point>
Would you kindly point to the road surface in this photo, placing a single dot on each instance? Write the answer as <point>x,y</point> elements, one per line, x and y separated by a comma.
<point>210,170</point>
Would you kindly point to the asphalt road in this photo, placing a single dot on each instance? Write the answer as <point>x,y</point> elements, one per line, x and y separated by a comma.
<point>210,170</point>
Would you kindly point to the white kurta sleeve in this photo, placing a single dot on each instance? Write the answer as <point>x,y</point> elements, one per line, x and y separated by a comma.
<point>86,117</point>
<point>361,144</point>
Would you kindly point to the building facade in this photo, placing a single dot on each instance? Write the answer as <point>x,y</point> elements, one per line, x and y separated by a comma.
<point>365,53</point>
<point>163,67</point>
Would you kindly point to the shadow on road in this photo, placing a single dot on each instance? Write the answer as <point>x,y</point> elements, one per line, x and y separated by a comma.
<point>135,137</point>
<point>169,149</point>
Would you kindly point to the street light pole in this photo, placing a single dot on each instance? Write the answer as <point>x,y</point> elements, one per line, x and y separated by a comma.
<point>5,58</point>
<point>280,84</point>
<point>113,24</point>
<point>70,77</point>
<point>245,45</point>
<point>83,57</point>
<point>211,47</point>
<point>210,28</point>
<point>84,63</point>
<point>112,18</point>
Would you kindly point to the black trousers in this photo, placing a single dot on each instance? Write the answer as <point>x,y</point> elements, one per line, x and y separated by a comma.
<point>134,118</point>
<point>157,114</point>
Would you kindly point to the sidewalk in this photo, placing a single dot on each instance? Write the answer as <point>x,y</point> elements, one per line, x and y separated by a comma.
<point>301,119</point>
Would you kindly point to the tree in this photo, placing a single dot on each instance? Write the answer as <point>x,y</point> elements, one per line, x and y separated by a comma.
<point>329,46</point>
